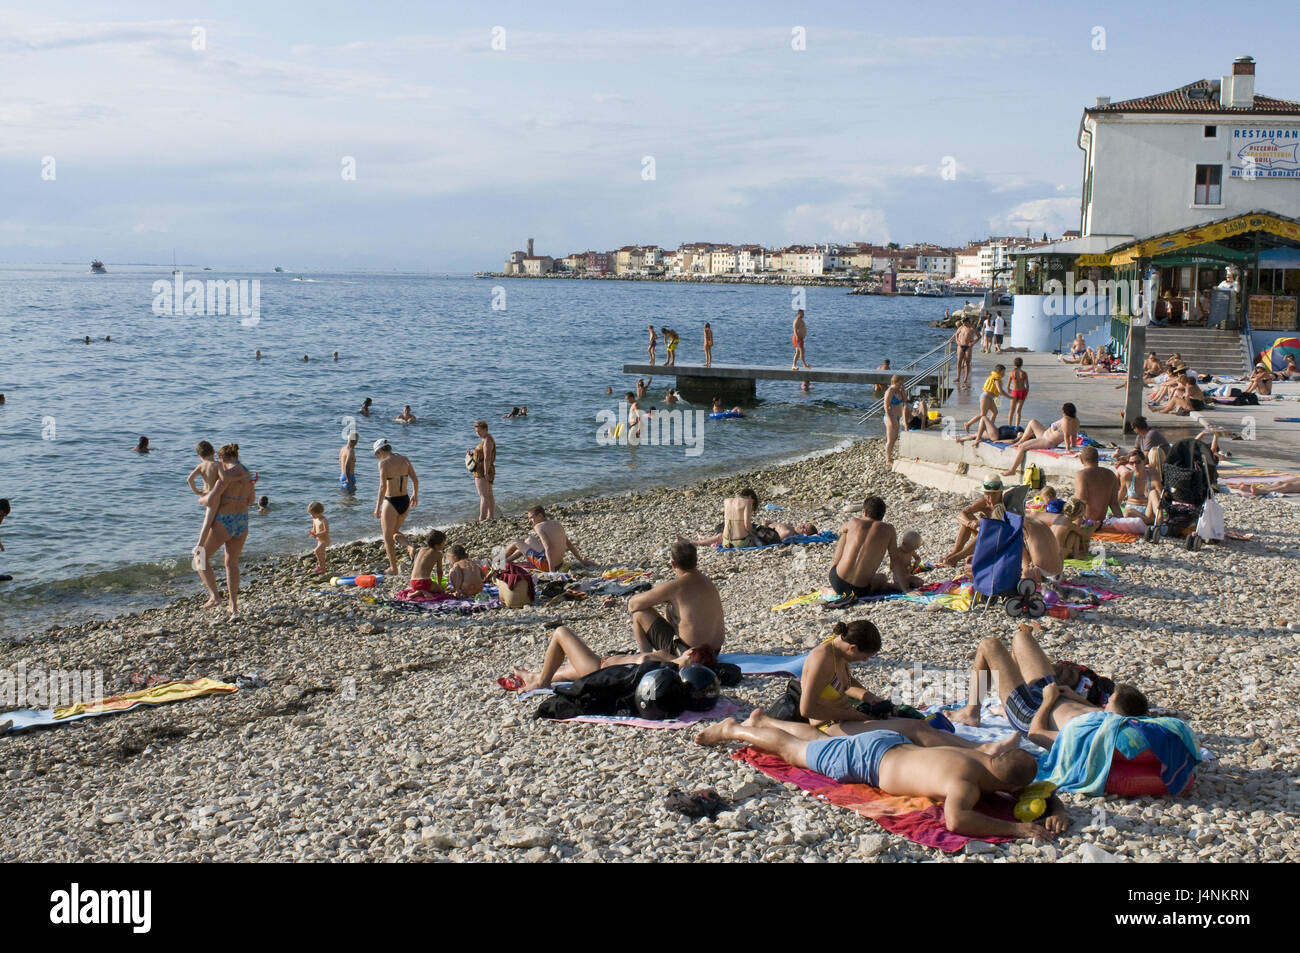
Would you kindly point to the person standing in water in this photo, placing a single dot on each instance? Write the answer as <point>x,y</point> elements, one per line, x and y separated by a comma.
<point>225,524</point>
<point>392,502</point>
<point>484,469</point>
<point>348,463</point>
<point>708,345</point>
<point>797,339</point>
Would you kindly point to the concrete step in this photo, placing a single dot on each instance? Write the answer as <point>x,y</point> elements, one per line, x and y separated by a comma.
<point>942,463</point>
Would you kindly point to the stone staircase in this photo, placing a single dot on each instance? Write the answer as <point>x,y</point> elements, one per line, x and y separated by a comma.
<point>1206,350</point>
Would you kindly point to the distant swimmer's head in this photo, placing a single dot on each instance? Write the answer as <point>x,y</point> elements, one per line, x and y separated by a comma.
<point>258,354</point>
<point>108,337</point>
<point>305,358</point>
<point>204,450</point>
<point>4,508</point>
<point>609,390</point>
<point>381,446</point>
<point>87,338</point>
<point>873,507</point>
<point>142,446</point>
<point>336,355</point>
<point>263,501</point>
<point>367,402</point>
<point>406,409</point>
<point>435,539</point>
<point>683,555</point>
<point>2,398</point>
<point>230,452</point>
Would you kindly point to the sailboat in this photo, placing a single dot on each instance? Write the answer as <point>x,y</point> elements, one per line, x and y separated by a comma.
<point>97,268</point>
<point>175,271</point>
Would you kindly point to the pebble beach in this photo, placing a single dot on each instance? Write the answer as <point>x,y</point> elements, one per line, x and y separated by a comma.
<point>366,733</point>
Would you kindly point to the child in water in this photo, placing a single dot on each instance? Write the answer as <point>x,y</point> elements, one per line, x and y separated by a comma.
<point>465,578</point>
<point>320,531</point>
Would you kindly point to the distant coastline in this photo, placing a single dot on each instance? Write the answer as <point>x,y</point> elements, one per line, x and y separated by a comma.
<point>849,284</point>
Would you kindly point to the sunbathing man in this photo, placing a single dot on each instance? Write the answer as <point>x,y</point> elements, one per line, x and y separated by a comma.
<point>694,615</point>
<point>1022,678</point>
<point>785,530</point>
<point>1151,368</point>
<point>906,758</point>
<point>1288,485</point>
<point>737,529</point>
<point>568,658</point>
<point>1098,487</point>
<point>1041,558</point>
<point>968,522</point>
<point>547,548</point>
<point>864,541</point>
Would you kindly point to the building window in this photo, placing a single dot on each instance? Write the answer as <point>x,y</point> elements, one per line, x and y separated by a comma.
<point>1208,185</point>
<point>1211,132</point>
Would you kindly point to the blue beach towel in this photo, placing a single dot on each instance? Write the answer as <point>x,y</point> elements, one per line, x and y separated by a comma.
<point>767,664</point>
<point>792,541</point>
<point>1080,759</point>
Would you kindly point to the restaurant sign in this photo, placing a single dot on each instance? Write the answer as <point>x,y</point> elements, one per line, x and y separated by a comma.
<point>1263,153</point>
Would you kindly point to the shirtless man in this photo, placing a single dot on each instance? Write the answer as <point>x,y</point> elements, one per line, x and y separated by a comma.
<point>906,758</point>
<point>737,523</point>
<point>364,411</point>
<point>1041,558</point>
<point>405,417</point>
<point>1025,681</point>
<point>968,522</point>
<point>392,502</point>
<point>797,339</point>
<point>348,462</point>
<point>546,549</point>
<point>1098,487</point>
<point>966,337</point>
<point>863,544</point>
<point>694,616</point>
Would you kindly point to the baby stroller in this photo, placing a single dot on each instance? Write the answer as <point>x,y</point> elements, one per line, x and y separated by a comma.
<point>1187,477</point>
<point>995,568</point>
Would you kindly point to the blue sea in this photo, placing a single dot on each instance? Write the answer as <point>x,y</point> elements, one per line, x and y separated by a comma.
<point>97,529</point>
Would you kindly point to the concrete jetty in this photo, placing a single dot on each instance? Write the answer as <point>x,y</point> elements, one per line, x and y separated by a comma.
<point>735,383</point>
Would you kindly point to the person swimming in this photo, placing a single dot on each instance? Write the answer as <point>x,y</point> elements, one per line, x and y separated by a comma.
<point>142,446</point>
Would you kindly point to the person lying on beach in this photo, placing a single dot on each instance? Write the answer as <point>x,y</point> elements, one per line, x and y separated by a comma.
<point>1288,485</point>
<point>426,561</point>
<point>968,522</point>
<point>1135,491</point>
<point>830,695</point>
<point>785,530</point>
<point>905,757</point>
<point>694,608</point>
<point>1022,678</point>
<point>405,417</point>
<point>465,578</point>
<point>987,430</point>
<point>1097,486</point>
<point>864,543</point>
<point>1063,433</point>
<point>569,658</point>
<point>737,530</point>
<point>1260,382</point>
<point>208,470</point>
<point>546,549</point>
<point>320,531</point>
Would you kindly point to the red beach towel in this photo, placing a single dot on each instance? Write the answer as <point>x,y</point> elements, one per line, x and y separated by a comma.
<point>919,819</point>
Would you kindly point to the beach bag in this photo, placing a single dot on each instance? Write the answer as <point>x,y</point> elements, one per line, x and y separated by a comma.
<point>766,535</point>
<point>516,596</point>
<point>1210,525</point>
<point>1008,432</point>
<point>469,460</point>
<point>1033,477</point>
<point>786,706</point>
<point>995,564</point>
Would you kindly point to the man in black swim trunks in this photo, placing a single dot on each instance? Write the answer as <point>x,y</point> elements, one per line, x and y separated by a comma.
<point>864,542</point>
<point>966,338</point>
<point>392,502</point>
<point>694,616</point>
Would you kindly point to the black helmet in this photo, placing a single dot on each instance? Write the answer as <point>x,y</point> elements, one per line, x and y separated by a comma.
<point>660,694</point>
<point>702,684</point>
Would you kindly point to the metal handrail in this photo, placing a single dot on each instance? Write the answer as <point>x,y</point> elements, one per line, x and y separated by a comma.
<point>934,350</point>
<point>941,368</point>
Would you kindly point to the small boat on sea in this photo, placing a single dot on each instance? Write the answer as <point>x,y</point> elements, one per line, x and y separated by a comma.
<point>279,270</point>
<point>929,288</point>
<point>97,268</point>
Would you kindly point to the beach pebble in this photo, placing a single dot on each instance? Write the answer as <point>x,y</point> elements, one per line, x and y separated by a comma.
<point>526,837</point>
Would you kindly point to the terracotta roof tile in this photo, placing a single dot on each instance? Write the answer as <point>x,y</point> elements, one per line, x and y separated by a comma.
<point>1201,96</point>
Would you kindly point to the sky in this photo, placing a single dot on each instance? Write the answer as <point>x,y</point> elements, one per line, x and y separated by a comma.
<point>226,132</point>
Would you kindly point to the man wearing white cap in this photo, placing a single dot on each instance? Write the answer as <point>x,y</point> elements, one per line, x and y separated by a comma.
<point>392,502</point>
<point>968,522</point>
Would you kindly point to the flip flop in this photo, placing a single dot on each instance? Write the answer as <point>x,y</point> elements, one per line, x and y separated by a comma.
<point>511,683</point>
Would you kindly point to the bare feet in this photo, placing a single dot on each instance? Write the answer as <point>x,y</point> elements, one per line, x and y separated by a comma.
<point>756,718</point>
<point>970,715</point>
<point>532,680</point>
<point>995,748</point>
<point>212,603</point>
<point>716,734</point>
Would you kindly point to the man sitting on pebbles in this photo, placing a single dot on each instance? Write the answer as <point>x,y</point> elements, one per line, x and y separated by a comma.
<point>546,550</point>
<point>694,609</point>
<point>968,522</point>
<point>864,541</point>
<point>1031,699</point>
<point>1097,486</point>
<point>906,758</point>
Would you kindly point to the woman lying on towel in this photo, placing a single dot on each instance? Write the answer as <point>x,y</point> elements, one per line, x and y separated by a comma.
<point>829,694</point>
<point>568,658</point>
<point>1064,433</point>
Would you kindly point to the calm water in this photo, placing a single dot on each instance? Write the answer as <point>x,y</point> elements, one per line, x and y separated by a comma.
<point>97,528</point>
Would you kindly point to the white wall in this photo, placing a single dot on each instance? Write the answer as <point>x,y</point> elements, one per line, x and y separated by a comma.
<point>1032,327</point>
<point>1144,174</point>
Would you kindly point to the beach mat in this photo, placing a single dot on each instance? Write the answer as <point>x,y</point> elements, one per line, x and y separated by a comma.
<point>157,695</point>
<point>1107,536</point>
<point>919,819</point>
<point>791,665</point>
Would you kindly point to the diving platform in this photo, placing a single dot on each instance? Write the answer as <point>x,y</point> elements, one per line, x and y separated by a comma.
<point>736,384</point>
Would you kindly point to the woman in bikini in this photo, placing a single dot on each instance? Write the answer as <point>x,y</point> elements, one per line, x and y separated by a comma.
<point>829,694</point>
<point>1065,432</point>
<point>895,402</point>
<point>485,470</point>
<point>569,658</point>
<point>225,524</point>
<point>392,503</point>
<point>654,342</point>
<point>1018,388</point>
<point>1186,398</point>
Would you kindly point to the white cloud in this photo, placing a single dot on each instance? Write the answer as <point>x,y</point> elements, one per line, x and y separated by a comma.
<point>1052,216</point>
<point>846,222</point>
